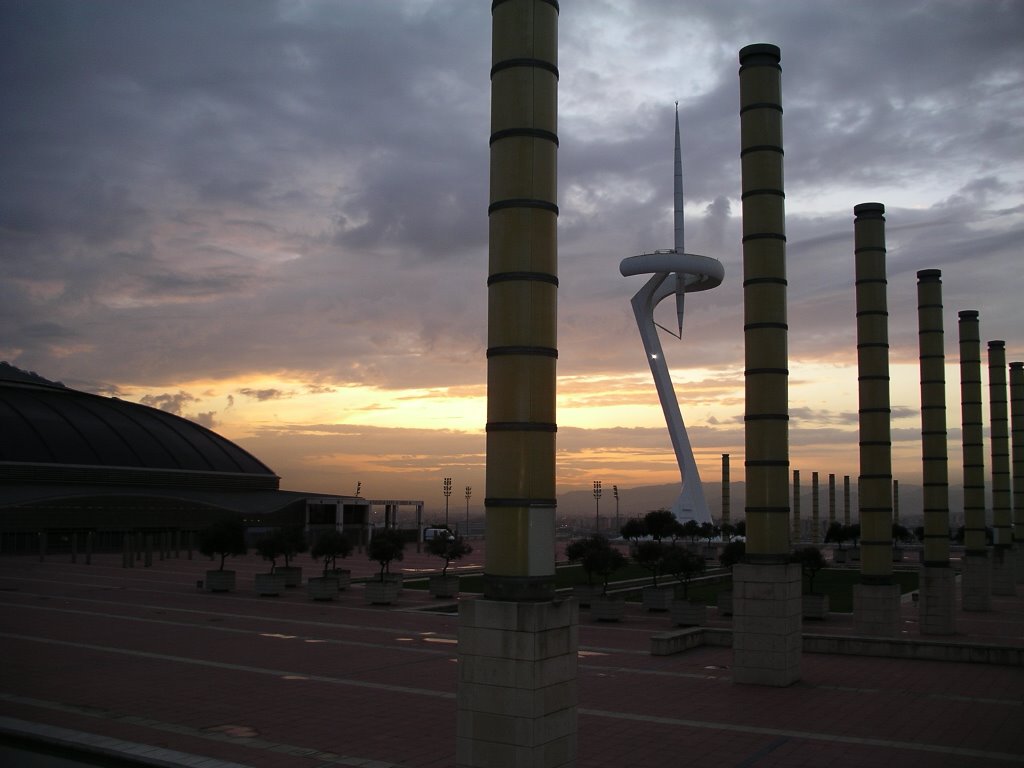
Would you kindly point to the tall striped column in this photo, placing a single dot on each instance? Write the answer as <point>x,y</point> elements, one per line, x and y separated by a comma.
<point>846,499</point>
<point>517,689</point>
<point>766,588</point>
<point>831,498</point>
<point>976,585</point>
<point>522,286</point>
<point>934,452</point>
<point>797,533</point>
<point>876,598</point>
<point>1017,441</point>
<point>937,580</point>
<point>999,430</point>
<point>726,491</point>
<point>815,510</point>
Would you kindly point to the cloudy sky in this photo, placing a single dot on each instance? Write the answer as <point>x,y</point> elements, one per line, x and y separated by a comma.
<point>271,217</point>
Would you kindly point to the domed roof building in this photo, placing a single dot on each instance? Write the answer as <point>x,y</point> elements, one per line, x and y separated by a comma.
<point>74,461</point>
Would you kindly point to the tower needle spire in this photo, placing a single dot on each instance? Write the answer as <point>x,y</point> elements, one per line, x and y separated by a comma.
<point>678,220</point>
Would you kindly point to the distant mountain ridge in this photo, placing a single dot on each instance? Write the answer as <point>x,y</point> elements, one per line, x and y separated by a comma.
<point>10,372</point>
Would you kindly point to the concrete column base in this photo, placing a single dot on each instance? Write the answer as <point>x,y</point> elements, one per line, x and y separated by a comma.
<point>1004,572</point>
<point>876,610</point>
<point>976,582</point>
<point>517,693</point>
<point>937,604</point>
<point>766,620</point>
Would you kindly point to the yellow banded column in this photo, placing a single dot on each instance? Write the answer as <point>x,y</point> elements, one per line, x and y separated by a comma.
<point>517,692</point>
<point>876,600</point>
<point>797,533</point>
<point>815,509</point>
<point>831,499</point>
<point>522,286</point>
<point>937,592</point>
<point>999,431</point>
<point>766,587</point>
<point>1017,442</point>
<point>976,583</point>
<point>726,491</point>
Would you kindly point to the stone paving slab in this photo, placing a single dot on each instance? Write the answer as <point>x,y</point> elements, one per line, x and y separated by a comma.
<point>141,656</point>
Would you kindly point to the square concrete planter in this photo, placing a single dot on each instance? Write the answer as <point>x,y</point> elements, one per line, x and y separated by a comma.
<point>393,578</point>
<point>269,584</point>
<point>603,608</point>
<point>381,592</point>
<point>443,586</point>
<point>658,598</point>
<point>344,577</point>
<point>322,588</point>
<point>220,581</point>
<point>839,556</point>
<point>686,614</point>
<point>292,575</point>
<point>585,594</point>
<point>814,606</point>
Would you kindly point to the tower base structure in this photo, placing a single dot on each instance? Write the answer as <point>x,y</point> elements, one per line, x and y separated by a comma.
<point>517,694</point>
<point>876,610</point>
<point>1004,572</point>
<point>937,604</point>
<point>976,582</point>
<point>767,623</point>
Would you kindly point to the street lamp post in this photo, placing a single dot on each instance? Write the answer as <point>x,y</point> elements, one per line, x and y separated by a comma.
<point>597,506</point>
<point>469,492</point>
<point>447,495</point>
<point>615,493</point>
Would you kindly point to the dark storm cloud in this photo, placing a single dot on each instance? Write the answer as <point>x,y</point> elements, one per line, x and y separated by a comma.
<point>198,189</point>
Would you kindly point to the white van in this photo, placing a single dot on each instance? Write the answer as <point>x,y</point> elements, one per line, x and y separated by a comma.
<point>434,532</point>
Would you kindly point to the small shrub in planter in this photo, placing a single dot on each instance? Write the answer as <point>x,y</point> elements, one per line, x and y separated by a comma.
<point>448,549</point>
<point>385,547</point>
<point>270,547</point>
<point>590,552</point>
<point>328,547</point>
<point>731,553</point>
<point>811,562</point>
<point>684,565</point>
<point>293,542</point>
<point>648,555</point>
<point>225,537</point>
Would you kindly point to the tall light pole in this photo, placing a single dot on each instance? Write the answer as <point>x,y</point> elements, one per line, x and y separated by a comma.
<point>615,493</point>
<point>469,492</point>
<point>597,506</point>
<point>447,495</point>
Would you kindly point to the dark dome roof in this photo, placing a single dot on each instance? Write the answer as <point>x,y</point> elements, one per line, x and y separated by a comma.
<point>42,423</point>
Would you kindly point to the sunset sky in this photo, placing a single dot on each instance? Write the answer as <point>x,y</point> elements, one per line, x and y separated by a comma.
<point>271,218</point>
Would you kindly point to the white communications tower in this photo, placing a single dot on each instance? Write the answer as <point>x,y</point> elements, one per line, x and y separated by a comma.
<point>673,273</point>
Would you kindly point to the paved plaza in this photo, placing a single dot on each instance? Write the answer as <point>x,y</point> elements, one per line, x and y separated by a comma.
<point>140,660</point>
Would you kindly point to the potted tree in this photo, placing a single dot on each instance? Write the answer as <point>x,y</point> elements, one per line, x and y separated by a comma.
<point>225,537</point>
<point>901,535</point>
<point>329,546</point>
<point>293,542</point>
<point>708,531</point>
<point>602,559</point>
<point>576,552</point>
<point>837,533</point>
<point>270,546</point>
<point>447,548</point>
<point>854,536</point>
<point>811,561</point>
<point>684,565</point>
<point>732,553</point>
<point>649,555</point>
<point>385,547</point>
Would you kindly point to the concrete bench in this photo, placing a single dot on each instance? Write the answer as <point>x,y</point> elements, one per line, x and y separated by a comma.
<point>676,641</point>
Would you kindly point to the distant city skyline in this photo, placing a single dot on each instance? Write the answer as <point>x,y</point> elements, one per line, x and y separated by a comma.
<point>271,218</point>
